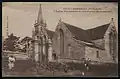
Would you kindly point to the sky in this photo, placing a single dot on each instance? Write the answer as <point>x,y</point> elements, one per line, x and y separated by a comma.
<point>22,15</point>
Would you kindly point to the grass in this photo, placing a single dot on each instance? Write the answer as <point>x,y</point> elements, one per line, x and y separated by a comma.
<point>27,67</point>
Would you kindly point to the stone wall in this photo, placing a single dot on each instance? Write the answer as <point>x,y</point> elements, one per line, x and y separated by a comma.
<point>100,42</point>
<point>91,53</point>
<point>104,54</point>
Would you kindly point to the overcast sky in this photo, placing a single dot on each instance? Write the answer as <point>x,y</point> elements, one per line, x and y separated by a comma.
<point>22,16</point>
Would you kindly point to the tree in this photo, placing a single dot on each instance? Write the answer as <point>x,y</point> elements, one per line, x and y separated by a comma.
<point>25,42</point>
<point>10,42</point>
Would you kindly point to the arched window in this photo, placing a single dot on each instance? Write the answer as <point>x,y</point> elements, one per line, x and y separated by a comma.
<point>97,54</point>
<point>69,49</point>
<point>61,41</point>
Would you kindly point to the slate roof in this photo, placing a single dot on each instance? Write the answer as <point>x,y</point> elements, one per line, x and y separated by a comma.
<point>50,33</point>
<point>89,34</point>
<point>97,32</point>
<point>80,34</point>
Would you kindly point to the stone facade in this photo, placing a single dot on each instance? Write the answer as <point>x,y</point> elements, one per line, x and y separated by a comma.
<point>72,49</point>
<point>100,42</point>
<point>75,50</point>
<point>95,54</point>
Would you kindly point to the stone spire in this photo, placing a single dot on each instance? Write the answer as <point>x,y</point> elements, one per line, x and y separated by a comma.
<point>40,17</point>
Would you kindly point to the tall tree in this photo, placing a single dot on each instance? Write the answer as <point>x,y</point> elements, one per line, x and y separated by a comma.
<point>10,42</point>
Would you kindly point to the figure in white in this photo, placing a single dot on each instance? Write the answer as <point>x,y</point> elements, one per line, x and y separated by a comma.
<point>83,73</point>
<point>11,61</point>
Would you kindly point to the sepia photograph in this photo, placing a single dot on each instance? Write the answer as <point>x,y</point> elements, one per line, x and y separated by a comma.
<point>59,39</point>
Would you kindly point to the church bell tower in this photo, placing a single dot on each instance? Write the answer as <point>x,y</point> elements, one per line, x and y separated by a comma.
<point>38,37</point>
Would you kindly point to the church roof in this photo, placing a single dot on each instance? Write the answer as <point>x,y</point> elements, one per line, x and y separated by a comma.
<point>89,34</point>
<point>79,34</point>
<point>50,33</point>
<point>97,32</point>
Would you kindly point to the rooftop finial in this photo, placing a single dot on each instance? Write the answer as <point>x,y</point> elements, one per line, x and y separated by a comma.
<point>60,20</point>
<point>111,19</point>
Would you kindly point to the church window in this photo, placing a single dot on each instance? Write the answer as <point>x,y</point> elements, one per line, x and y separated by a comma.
<point>61,42</point>
<point>37,37</point>
<point>69,49</point>
<point>97,54</point>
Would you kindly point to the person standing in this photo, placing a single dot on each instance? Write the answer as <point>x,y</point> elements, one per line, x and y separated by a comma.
<point>11,62</point>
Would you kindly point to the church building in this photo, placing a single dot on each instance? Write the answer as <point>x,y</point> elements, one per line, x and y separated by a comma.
<point>72,44</point>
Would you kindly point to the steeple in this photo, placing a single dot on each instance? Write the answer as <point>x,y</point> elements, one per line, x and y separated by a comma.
<point>40,17</point>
